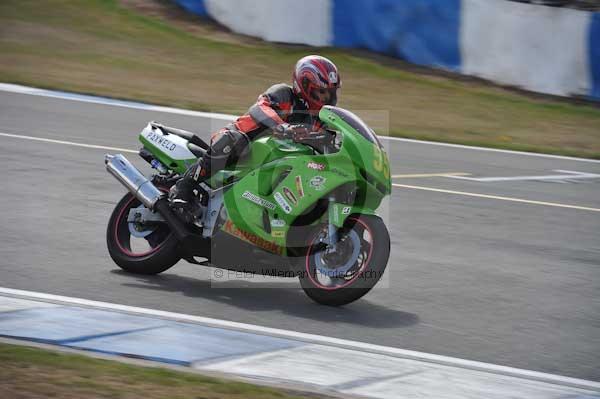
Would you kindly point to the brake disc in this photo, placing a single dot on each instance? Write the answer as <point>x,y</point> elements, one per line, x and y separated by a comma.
<point>137,229</point>
<point>339,270</point>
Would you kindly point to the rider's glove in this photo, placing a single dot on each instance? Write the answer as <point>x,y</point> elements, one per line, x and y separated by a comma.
<point>287,131</point>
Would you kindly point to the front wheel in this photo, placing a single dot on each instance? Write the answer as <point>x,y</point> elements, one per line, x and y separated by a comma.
<point>347,274</point>
<point>137,248</point>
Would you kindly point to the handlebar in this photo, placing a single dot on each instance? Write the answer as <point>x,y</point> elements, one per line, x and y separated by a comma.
<point>322,135</point>
<point>320,141</point>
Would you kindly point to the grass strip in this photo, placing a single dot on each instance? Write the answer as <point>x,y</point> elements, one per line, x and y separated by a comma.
<point>112,48</point>
<point>28,372</point>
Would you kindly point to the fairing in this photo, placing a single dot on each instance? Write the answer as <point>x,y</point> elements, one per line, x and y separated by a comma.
<point>279,182</point>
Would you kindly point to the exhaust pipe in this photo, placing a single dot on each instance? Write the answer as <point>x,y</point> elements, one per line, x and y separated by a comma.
<point>133,179</point>
<point>145,191</point>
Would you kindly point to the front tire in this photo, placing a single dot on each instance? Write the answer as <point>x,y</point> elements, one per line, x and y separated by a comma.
<point>364,252</point>
<point>152,254</point>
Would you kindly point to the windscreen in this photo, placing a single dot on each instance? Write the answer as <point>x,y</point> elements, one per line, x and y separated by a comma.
<point>357,124</point>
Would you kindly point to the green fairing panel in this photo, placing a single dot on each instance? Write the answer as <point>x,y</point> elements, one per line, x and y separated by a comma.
<point>362,146</point>
<point>278,180</point>
<point>280,188</point>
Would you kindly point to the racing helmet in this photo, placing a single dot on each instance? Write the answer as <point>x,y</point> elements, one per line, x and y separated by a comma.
<point>316,80</point>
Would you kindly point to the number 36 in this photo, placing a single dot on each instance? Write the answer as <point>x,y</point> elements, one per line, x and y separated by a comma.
<point>379,164</point>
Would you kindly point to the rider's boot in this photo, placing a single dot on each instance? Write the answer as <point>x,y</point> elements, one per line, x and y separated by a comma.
<point>183,196</point>
<point>224,144</point>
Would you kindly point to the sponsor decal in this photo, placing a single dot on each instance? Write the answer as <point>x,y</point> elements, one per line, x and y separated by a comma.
<point>277,223</point>
<point>290,195</point>
<point>346,210</point>
<point>160,141</point>
<point>253,239</point>
<point>258,200</point>
<point>278,233</point>
<point>340,172</point>
<point>283,203</point>
<point>299,188</point>
<point>317,182</point>
<point>315,166</point>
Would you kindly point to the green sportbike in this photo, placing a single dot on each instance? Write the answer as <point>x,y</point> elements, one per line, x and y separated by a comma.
<point>301,208</point>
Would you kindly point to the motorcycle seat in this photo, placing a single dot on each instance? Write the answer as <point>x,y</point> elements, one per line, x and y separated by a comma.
<point>189,136</point>
<point>196,150</point>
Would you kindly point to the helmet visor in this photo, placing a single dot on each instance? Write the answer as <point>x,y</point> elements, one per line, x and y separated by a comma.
<point>325,96</point>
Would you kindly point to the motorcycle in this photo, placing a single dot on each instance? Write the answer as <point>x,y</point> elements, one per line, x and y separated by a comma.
<point>289,208</point>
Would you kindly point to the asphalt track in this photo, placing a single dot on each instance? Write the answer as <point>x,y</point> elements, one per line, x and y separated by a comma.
<point>487,277</point>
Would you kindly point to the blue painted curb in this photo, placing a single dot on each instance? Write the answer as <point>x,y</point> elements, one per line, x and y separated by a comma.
<point>134,336</point>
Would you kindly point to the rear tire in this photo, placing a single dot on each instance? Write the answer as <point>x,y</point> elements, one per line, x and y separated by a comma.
<point>161,254</point>
<point>368,269</point>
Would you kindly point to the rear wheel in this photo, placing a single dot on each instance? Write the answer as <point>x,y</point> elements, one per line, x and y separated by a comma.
<point>344,276</point>
<point>138,248</point>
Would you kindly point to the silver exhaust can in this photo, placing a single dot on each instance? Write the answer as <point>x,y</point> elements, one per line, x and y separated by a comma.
<point>128,175</point>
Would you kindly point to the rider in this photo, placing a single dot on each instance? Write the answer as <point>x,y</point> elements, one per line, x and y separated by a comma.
<point>287,111</point>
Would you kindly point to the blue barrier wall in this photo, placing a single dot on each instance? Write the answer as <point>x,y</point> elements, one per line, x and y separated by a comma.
<point>194,6</point>
<point>594,51</point>
<point>544,49</point>
<point>424,32</point>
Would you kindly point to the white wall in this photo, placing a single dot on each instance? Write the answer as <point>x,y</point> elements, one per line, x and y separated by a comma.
<point>539,48</point>
<point>289,21</point>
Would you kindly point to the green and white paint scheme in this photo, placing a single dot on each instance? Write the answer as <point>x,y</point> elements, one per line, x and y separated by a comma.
<point>171,150</point>
<point>282,180</point>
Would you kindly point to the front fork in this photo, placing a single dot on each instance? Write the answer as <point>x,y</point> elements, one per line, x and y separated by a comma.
<point>331,228</point>
<point>332,238</point>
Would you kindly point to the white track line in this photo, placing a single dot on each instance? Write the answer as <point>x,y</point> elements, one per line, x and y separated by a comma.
<point>566,175</point>
<point>495,197</point>
<point>311,338</point>
<point>468,147</point>
<point>419,175</point>
<point>18,136</point>
<point>101,147</point>
<point>14,88</point>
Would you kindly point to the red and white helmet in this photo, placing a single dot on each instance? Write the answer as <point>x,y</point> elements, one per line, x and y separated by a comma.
<point>316,80</point>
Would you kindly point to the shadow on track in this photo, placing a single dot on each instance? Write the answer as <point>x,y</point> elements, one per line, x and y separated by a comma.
<point>274,297</point>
